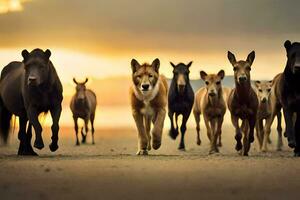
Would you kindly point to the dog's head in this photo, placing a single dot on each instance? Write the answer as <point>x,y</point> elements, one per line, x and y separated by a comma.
<point>145,76</point>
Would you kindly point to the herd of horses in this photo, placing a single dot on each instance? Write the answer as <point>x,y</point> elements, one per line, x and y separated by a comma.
<point>32,87</point>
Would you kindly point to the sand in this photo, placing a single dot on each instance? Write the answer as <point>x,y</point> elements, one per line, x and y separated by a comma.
<point>111,170</point>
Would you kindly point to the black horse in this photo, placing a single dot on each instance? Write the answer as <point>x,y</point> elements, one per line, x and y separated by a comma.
<point>27,89</point>
<point>180,100</point>
<point>289,90</point>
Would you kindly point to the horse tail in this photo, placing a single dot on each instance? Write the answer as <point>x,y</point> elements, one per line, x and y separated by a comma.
<point>5,118</point>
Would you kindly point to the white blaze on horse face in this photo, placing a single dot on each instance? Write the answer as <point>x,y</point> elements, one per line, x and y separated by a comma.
<point>181,82</point>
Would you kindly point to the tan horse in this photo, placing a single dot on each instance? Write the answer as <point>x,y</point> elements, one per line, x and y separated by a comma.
<point>210,102</point>
<point>269,108</point>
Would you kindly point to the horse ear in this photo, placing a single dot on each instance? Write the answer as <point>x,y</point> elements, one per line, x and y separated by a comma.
<point>231,57</point>
<point>48,53</point>
<point>25,54</point>
<point>250,57</point>
<point>221,74</point>
<point>173,65</point>
<point>203,74</point>
<point>155,64</point>
<point>287,45</point>
<point>190,63</point>
<point>74,80</point>
<point>86,80</point>
<point>134,65</point>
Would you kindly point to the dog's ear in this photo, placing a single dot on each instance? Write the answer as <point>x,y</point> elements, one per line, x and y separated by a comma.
<point>231,58</point>
<point>190,63</point>
<point>203,75</point>
<point>221,74</point>
<point>134,65</point>
<point>287,45</point>
<point>155,64</point>
<point>251,57</point>
<point>25,54</point>
<point>173,65</point>
<point>74,80</point>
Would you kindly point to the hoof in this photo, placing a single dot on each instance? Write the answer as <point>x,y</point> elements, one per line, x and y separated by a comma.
<point>173,134</point>
<point>213,151</point>
<point>83,140</point>
<point>181,148</point>
<point>93,143</point>
<point>292,144</point>
<point>245,154</point>
<point>27,152</point>
<point>142,153</point>
<point>278,149</point>
<point>156,145</point>
<point>263,150</point>
<point>238,146</point>
<point>39,144</point>
<point>53,147</point>
<point>149,147</point>
<point>199,142</point>
<point>220,144</point>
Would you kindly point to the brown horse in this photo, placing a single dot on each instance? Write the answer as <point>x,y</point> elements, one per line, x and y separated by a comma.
<point>83,105</point>
<point>27,89</point>
<point>243,102</point>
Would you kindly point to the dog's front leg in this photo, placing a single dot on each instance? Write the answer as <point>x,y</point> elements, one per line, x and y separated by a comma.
<point>158,128</point>
<point>142,137</point>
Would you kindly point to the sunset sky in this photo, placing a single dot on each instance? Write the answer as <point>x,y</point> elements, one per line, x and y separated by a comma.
<point>99,37</point>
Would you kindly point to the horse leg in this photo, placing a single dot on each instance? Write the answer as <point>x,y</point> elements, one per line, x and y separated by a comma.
<point>297,136</point>
<point>246,141</point>
<point>267,131</point>
<point>290,132</point>
<point>249,133</point>
<point>279,131</point>
<point>208,128</point>
<point>252,121</point>
<point>33,119</point>
<point>238,134</point>
<point>147,128</point>
<point>173,132</point>
<point>93,129</point>
<point>86,128</point>
<point>183,130</point>
<point>219,130</point>
<point>259,132</point>
<point>29,137</point>
<point>55,114</point>
<point>213,141</point>
<point>22,135</point>
<point>76,129</point>
<point>197,119</point>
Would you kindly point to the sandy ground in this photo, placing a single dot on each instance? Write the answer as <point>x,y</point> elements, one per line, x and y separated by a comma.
<point>110,170</point>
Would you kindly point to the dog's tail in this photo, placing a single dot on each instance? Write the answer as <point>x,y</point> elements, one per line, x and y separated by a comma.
<point>5,118</point>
